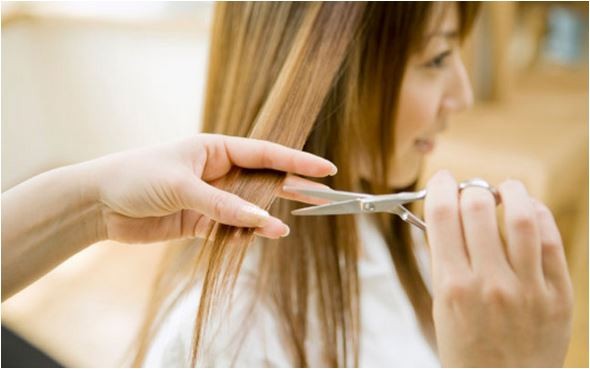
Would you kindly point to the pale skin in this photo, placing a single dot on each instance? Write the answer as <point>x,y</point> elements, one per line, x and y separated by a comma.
<point>158,193</point>
<point>500,299</point>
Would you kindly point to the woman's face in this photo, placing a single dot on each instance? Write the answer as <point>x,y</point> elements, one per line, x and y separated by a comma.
<point>434,86</point>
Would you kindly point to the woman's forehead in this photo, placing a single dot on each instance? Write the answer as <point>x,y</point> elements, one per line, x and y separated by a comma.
<point>443,23</point>
<point>443,20</point>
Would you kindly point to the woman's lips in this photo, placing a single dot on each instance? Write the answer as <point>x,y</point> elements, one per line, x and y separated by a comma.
<point>425,146</point>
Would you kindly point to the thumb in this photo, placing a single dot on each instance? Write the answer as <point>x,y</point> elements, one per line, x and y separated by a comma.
<point>222,206</point>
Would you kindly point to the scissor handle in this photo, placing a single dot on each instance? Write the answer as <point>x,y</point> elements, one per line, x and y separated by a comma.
<point>413,219</point>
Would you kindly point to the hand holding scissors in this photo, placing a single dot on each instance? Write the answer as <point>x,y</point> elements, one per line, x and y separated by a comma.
<point>497,301</point>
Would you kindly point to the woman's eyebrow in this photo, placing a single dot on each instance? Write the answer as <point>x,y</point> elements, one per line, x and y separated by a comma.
<point>446,34</point>
<point>449,35</point>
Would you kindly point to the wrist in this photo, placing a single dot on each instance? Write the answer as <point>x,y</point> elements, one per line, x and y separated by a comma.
<point>88,184</point>
<point>46,220</point>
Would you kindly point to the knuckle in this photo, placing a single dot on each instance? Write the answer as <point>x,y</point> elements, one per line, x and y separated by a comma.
<point>475,204</point>
<point>267,158</point>
<point>442,211</point>
<point>522,222</point>
<point>552,248</point>
<point>233,211</point>
<point>534,297</point>
<point>215,149</point>
<point>457,289</point>
<point>292,162</point>
<point>535,291</point>
<point>562,310</point>
<point>497,294</point>
<point>219,206</point>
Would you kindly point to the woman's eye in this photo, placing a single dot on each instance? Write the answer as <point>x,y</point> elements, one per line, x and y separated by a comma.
<point>438,61</point>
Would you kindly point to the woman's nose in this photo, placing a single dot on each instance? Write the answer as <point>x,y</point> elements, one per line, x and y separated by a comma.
<point>459,94</point>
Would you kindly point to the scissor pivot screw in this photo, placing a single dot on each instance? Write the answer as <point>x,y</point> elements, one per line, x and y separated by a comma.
<point>369,206</point>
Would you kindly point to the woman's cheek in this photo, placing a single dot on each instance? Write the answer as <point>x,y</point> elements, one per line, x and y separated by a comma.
<point>418,116</point>
<point>425,107</point>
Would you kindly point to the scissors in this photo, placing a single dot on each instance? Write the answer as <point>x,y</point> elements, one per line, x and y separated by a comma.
<point>343,202</point>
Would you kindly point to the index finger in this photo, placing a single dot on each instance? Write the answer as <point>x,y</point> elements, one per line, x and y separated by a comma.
<point>444,230</point>
<point>253,153</point>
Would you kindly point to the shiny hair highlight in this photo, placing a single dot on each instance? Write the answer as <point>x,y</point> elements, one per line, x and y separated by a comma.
<point>324,77</point>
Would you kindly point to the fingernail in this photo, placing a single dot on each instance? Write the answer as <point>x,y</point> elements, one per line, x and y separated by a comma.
<point>334,170</point>
<point>254,215</point>
<point>286,231</point>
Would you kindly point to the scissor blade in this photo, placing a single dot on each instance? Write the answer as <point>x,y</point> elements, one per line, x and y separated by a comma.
<point>343,207</point>
<point>327,193</point>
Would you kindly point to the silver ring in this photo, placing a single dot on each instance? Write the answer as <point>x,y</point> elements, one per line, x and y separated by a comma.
<point>478,182</point>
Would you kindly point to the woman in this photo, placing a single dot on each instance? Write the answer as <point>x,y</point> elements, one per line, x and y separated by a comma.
<point>367,86</point>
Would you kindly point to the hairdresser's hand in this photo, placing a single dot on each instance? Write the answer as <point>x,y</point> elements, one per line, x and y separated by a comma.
<point>496,303</point>
<point>168,191</point>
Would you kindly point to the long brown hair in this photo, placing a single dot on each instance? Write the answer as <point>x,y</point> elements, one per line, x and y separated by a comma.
<point>325,78</point>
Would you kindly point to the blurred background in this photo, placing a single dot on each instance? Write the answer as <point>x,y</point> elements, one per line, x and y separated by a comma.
<point>84,79</point>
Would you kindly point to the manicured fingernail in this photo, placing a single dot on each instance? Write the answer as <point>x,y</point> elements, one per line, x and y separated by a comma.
<point>334,170</point>
<point>286,231</point>
<point>253,215</point>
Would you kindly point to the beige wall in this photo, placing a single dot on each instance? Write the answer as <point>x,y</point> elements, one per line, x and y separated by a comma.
<point>74,89</point>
